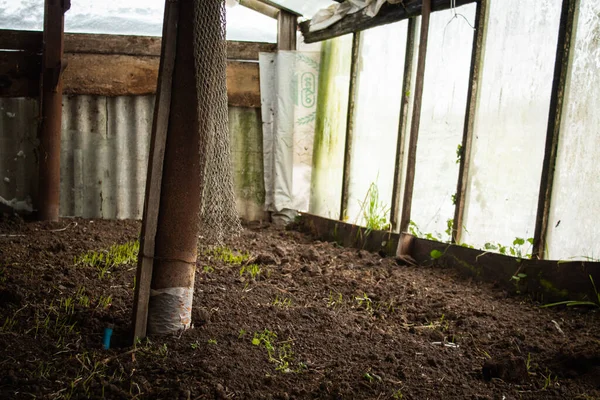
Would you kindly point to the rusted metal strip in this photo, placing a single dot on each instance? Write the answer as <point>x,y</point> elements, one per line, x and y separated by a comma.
<point>403,122</point>
<point>416,118</point>
<point>481,15</point>
<point>352,94</point>
<point>561,71</point>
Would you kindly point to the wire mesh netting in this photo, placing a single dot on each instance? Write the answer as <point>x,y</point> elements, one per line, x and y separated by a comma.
<point>218,214</point>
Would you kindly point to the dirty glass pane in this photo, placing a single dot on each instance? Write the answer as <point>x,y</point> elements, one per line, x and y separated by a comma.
<point>330,127</point>
<point>574,226</point>
<point>442,118</point>
<point>511,121</point>
<point>376,116</point>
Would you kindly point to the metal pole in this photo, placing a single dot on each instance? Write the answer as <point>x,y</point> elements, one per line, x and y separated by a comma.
<point>416,118</point>
<point>561,71</point>
<point>177,228</point>
<point>51,106</point>
<point>467,140</point>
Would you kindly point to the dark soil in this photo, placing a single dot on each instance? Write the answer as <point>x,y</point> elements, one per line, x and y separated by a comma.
<point>348,325</point>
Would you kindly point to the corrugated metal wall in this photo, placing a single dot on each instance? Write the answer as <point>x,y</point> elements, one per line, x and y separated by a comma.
<point>104,155</point>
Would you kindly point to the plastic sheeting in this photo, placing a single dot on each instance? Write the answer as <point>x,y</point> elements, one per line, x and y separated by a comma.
<point>289,101</point>
<point>330,127</point>
<point>442,118</point>
<point>376,117</point>
<point>574,224</point>
<point>511,121</point>
<point>335,12</point>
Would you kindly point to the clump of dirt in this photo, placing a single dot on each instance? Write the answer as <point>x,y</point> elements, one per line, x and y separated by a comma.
<point>277,315</point>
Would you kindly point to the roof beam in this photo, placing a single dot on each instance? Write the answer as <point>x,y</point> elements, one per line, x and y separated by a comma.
<point>389,13</point>
<point>259,6</point>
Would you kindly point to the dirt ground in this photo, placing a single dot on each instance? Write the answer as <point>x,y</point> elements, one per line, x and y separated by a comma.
<point>277,316</point>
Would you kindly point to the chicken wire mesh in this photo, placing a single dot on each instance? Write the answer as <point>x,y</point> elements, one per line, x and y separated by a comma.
<point>218,213</point>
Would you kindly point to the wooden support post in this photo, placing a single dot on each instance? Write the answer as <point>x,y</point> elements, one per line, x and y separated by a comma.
<point>411,34</point>
<point>48,200</point>
<point>287,27</point>
<point>481,16</point>
<point>561,71</point>
<point>160,124</point>
<point>416,118</point>
<point>352,94</point>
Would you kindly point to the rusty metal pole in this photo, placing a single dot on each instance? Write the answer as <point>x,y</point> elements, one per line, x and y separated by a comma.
<point>48,199</point>
<point>177,229</point>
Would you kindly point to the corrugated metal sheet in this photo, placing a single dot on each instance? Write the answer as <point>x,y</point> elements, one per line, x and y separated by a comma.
<point>104,155</point>
<point>18,140</point>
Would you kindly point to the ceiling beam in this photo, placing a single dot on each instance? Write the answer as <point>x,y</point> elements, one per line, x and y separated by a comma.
<point>389,13</point>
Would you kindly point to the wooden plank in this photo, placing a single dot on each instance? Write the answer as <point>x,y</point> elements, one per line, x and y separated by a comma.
<point>544,280</point>
<point>243,84</point>
<point>561,72</point>
<point>160,124</point>
<point>30,41</point>
<point>416,118</point>
<point>120,75</point>
<point>260,7</point>
<point>349,235</point>
<point>287,26</point>
<point>20,74</point>
<point>481,17</point>
<point>389,13</point>
<point>403,122</point>
<point>348,143</point>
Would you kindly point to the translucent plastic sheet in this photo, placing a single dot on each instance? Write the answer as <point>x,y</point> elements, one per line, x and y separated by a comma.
<point>330,127</point>
<point>442,118</point>
<point>574,225</point>
<point>511,121</point>
<point>376,116</point>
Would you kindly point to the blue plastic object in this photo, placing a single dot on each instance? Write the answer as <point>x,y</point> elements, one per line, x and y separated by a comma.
<point>106,340</point>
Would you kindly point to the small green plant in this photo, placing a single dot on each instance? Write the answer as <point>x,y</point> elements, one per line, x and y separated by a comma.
<point>3,275</point>
<point>195,345</point>
<point>283,303</point>
<point>241,334</point>
<point>374,211</point>
<point>575,303</point>
<point>212,341</point>
<point>516,249</point>
<point>398,394</point>
<point>208,269</point>
<point>365,302</point>
<point>254,270</point>
<point>279,353</point>
<point>335,301</point>
<point>459,153</point>
<point>163,351</point>
<point>371,377</point>
<point>227,255</point>
<point>104,302</point>
<point>104,261</point>
<point>82,299</point>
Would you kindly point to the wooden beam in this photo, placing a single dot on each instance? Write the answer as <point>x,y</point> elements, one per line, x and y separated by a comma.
<point>349,142</point>
<point>561,72</point>
<point>389,13</point>
<point>31,41</point>
<point>260,7</point>
<point>479,35</point>
<point>117,75</point>
<point>411,34</point>
<point>287,27</point>
<point>158,140</point>
<point>416,118</point>
<point>19,74</point>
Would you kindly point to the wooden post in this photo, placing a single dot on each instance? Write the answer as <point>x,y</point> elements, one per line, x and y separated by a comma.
<point>481,15</point>
<point>352,93</point>
<point>162,108</point>
<point>411,33</point>
<point>561,71</point>
<point>287,27</point>
<point>51,110</point>
<point>416,118</point>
